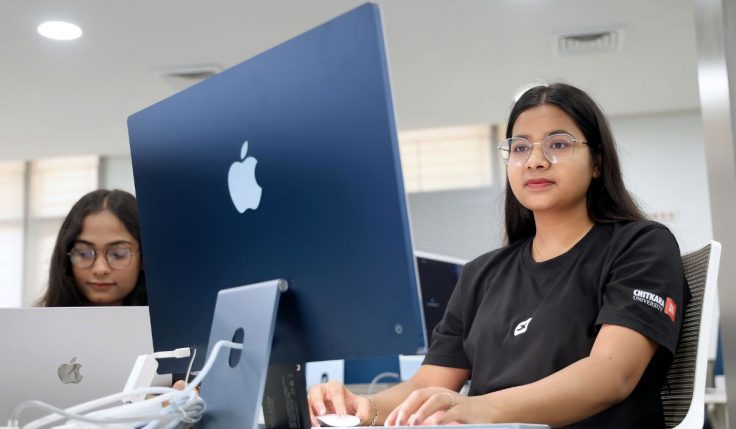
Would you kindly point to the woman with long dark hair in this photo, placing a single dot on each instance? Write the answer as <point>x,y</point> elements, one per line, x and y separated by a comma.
<point>575,321</point>
<point>97,259</point>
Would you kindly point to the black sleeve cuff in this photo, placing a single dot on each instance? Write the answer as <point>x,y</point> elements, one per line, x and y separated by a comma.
<point>664,339</point>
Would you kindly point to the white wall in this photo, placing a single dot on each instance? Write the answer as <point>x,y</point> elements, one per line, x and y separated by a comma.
<point>116,172</point>
<point>663,158</point>
<point>459,223</point>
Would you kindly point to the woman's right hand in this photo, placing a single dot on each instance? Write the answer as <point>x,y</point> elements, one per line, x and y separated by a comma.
<point>334,397</point>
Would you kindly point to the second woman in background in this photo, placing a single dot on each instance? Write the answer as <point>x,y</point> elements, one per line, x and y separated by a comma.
<point>97,258</point>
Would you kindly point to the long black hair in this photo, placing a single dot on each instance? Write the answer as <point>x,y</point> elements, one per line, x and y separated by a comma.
<point>62,290</point>
<point>607,197</point>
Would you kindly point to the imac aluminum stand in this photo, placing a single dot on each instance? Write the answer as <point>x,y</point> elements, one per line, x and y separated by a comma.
<point>234,388</point>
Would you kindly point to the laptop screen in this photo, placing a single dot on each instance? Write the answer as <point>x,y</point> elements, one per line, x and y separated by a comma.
<point>283,166</point>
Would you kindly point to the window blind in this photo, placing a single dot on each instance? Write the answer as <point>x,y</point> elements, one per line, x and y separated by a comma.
<point>55,185</point>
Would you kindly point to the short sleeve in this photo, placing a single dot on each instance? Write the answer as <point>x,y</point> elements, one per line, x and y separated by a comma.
<point>645,289</point>
<point>448,336</point>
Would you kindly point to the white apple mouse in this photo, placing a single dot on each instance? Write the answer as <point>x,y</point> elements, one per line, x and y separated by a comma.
<point>335,420</point>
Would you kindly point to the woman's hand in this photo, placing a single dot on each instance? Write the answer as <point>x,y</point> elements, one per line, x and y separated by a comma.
<point>438,406</point>
<point>334,397</point>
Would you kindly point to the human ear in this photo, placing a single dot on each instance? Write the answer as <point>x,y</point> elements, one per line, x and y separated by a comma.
<point>597,166</point>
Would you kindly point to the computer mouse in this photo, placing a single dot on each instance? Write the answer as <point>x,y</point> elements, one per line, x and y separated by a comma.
<point>335,420</point>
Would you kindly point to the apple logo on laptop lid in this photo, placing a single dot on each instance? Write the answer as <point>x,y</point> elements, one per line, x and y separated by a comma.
<point>69,372</point>
<point>241,180</point>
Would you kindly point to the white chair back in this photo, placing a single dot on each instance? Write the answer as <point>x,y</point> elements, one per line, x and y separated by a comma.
<point>684,391</point>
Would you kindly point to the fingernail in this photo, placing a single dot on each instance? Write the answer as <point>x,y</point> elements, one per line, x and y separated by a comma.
<point>412,420</point>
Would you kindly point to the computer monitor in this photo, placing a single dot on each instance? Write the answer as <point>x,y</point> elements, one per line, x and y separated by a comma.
<point>284,166</point>
<point>438,276</point>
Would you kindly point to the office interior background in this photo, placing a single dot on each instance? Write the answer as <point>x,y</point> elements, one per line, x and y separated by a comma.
<point>455,68</point>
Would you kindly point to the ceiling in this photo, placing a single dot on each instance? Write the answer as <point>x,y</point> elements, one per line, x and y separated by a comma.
<point>452,62</point>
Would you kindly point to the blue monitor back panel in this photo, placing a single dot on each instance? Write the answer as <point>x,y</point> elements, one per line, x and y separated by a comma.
<point>317,116</point>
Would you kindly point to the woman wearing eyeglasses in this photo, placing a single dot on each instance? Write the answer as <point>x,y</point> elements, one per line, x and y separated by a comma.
<point>575,321</point>
<point>97,257</point>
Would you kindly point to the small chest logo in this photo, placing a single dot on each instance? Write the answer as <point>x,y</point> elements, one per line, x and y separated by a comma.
<point>522,327</point>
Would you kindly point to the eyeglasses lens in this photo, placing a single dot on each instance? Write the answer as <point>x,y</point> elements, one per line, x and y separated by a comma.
<point>556,148</point>
<point>117,257</point>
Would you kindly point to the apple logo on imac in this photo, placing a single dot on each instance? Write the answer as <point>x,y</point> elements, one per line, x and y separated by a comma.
<point>69,372</point>
<point>241,180</point>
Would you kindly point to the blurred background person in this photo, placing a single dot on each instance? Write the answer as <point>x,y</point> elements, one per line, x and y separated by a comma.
<point>97,259</point>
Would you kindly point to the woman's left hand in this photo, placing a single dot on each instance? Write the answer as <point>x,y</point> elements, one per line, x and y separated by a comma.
<point>438,406</point>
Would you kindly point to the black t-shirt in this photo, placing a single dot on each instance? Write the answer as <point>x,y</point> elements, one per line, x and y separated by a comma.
<point>513,321</point>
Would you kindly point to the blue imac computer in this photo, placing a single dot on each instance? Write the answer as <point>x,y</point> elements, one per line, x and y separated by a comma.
<point>284,166</point>
<point>437,276</point>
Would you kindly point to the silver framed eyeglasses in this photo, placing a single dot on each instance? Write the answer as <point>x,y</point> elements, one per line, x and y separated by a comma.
<point>118,257</point>
<point>556,148</point>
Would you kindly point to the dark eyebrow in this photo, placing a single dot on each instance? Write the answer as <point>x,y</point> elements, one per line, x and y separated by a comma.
<point>526,136</point>
<point>114,243</point>
<point>559,132</point>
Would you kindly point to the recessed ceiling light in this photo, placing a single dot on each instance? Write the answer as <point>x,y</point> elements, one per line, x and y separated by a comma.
<point>59,30</point>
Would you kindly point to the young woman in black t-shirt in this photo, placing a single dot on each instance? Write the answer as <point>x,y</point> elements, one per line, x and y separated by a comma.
<point>575,321</point>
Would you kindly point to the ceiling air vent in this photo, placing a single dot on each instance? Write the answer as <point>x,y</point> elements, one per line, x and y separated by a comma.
<point>183,77</point>
<point>591,42</point>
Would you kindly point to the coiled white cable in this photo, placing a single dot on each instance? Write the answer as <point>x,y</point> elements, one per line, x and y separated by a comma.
<point>83,418</point>
<point>81,408</point>
<point>184,406</point>
<point>379,377</point>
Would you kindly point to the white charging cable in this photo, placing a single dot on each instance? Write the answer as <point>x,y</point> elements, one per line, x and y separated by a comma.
<point>379,377</point>
<point>173,407</point>
<point>177,354</point>
<point>81,408</point>
<point>144,370</point>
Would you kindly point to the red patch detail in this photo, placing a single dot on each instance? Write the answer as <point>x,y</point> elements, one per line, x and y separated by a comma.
<point>670,308</point>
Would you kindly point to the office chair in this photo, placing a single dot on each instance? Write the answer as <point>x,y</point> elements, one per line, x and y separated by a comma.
<point>684,391</point>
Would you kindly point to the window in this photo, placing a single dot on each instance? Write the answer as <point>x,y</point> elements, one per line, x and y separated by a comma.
<point>54,186</point>
<point>447,158</point>
<point>12,177</point>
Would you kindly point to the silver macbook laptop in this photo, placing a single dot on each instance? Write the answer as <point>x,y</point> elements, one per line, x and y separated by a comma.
<point>65,356</point>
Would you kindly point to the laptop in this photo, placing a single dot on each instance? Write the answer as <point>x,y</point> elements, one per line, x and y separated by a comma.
<point>68,355</point>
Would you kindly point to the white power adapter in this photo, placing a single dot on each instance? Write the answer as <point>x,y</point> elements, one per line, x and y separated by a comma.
<point>144,371</point>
